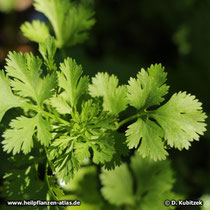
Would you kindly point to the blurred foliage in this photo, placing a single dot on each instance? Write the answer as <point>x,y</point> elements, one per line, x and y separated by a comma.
<point>85,188</point>
<point>129,35</point>
<point>18,5</point>
<point>206,202</point>
<point>7,5</point>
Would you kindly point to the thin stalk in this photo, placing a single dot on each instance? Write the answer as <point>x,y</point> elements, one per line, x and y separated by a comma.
<point>55,117</point>
<point>118,125</point>
<point>50,163</point>
<point>48,183</point>
<point>35,108</point>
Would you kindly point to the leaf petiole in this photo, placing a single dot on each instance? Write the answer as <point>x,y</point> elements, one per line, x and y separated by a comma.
<point>121,123</point>
<point>35,108</point>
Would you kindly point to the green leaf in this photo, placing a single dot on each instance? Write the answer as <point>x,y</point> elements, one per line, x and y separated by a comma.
<point>84,187</point>
<point>149,135</point>
<point>81,151</point>
<point>70,20</point>
<point>18,182</point>
<point>93,117</point>
<point>114,96</point>
<point>20,137</point>
<point>206,202</point>
<point>178,122</point>
<point>36,31</point>
<point>78,22</point>
<point>65,167</point>
<point>56,189</point>
<point>93,130</point>
<point>118,186</point>
<point>154,183</point>
<point>25,70</point>
<point>64,161</point>
<point>120,148</point>
<point>48,50</point>
<point>46,87</point>
<point>103,149</point>
<point>7,6</point>
<point>23,179</point>
<point>7,99</point>
<point>149,88</point>
<point>43,131</point>
<point>60,104</point>
<point>55,10</point>
<point>71,81</point>
<point>182,120</point>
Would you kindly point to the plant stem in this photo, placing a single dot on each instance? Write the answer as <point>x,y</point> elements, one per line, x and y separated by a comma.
<point>55,117</point>
<point>35,108</point>
<point>48,183</point>
<point>118,125</point>
<point>50,163</point>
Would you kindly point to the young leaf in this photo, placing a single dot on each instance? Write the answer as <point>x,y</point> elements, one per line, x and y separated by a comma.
<point>70,20</point>
<point>7,99</point>
<point>182,120</point>
<point>55,10</point>
<point>48,50</point>
<point>150,135</point>
<point>118,186</point>
<point>78,22</point>
<point>71,81</point>
<point>106,86</point>
<point>93,117</point>
<point>149,88</point>
<point>36,31</point>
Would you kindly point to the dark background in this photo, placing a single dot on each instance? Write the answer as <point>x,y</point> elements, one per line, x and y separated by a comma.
<point>129,35</point>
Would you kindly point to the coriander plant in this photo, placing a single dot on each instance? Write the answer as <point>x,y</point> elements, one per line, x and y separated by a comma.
<point>67,122</point>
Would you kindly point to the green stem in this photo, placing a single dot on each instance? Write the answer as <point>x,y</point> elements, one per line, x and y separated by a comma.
<point>49,163</point>
<point>55,117</point>
<point>35,108</point>
<point>118,125</point>
<point>48,183</point>
<point>125,121</point>
<point>48,160</point>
